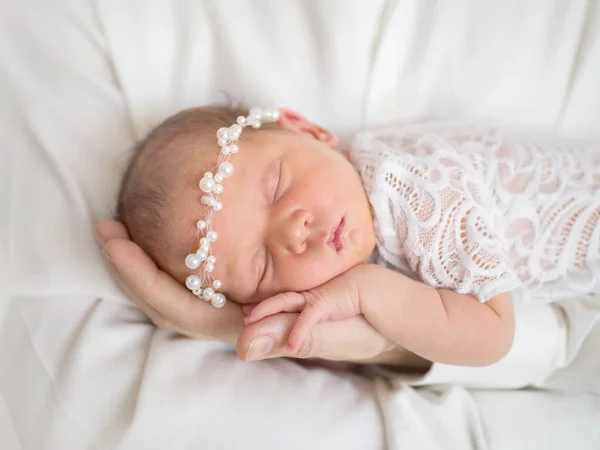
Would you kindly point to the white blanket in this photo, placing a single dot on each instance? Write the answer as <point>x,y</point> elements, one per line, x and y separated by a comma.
<point>80,81</point>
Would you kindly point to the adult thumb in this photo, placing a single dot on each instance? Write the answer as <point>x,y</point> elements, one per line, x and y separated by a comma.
<point>268,337</point>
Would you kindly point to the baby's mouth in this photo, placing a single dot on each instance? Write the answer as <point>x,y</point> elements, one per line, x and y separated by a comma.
<point>336,238</point>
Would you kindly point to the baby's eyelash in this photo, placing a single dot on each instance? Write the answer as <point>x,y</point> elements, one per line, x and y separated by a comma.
<point>266,259</point>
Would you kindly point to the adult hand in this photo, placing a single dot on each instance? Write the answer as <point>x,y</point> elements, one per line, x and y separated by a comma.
<point>171,306</point>
<point>167,303</point>
<point>351,340</point>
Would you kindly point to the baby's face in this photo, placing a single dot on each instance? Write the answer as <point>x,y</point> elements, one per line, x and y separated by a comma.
<point>294,215</point>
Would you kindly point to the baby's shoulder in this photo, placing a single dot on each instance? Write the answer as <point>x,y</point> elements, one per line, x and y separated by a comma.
<point>435,151</point>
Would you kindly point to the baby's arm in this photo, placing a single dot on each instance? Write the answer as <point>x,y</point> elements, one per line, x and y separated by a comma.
<point>437,324</point>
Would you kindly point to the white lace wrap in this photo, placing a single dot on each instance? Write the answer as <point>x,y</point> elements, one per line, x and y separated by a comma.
<point>481,212</point>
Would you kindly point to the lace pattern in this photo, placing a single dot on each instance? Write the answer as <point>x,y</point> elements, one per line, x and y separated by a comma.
<point>481,212</point>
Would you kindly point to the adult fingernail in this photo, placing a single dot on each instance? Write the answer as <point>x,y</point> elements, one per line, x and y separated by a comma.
<point>259,347</point>
<point>106,255</point>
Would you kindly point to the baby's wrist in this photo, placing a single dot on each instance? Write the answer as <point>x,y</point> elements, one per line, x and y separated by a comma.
<point>365,276</point>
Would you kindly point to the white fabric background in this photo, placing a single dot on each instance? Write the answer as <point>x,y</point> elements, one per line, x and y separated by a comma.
<point>80,80</point>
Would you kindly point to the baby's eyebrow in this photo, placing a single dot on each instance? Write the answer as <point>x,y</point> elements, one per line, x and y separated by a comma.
<point>265,178</point>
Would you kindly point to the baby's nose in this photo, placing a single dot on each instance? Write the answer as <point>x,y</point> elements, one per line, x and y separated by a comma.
<point>297,231</point>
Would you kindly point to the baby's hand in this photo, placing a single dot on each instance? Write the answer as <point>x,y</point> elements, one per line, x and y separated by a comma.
<point>335,300</point>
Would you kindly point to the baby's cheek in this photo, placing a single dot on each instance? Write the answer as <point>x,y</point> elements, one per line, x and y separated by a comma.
<point>301,275</point>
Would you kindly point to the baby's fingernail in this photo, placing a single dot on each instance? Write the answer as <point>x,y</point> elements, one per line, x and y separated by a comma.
<point>259,347</point>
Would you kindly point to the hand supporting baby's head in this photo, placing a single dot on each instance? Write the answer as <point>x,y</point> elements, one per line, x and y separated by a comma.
<point>294,213</point>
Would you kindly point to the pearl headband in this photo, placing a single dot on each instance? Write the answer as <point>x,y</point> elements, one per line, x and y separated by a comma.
<point>210,184</point>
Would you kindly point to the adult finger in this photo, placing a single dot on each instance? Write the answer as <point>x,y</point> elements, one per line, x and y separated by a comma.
<point>178,307</point>
<point>111,229</point>
<point>352,339</point>
<point>268,339</point>
<point>155,316</point>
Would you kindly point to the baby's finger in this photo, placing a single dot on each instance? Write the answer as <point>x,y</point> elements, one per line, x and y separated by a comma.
<point>247,309</point>
<point>286,302</point>
<point>308,318</point>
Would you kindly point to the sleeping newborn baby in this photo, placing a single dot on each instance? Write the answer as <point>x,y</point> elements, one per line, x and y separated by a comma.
<point>293,215</point>
<point>429,231</point>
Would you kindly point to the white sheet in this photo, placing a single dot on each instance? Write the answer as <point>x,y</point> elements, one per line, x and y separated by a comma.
<point>79,366</point>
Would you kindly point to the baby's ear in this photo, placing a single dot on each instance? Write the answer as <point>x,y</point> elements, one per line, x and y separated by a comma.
<point>293,121</point>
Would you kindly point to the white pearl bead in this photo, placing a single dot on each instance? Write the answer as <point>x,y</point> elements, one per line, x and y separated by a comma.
<point>241,120</point>
<point>205,247</point>
<point>201,224</point>
<point>255,112</point>
<point>222,142</point>
<point>217,284</point>
<point>192,261</point>
<point>234,148</point>
<point>202,254</point>
<point>203,242</point>
<point>226,150</point>
<point>207,200</point>
<point>256,125</point>
<point>193,282</point>
<point>226,169</point>
<point>212,236</point>
<point>197,291</point>
<point>209,267</point>
<point>207,185</point>
<point>275,115</point>
<point>211,259</point>
<point>222,133</point>
<point>218,206</point>
<point>208,175</point>
<point>219,177</point>
<point>218,300</point>
<point>218,189</point>
<point>235,129</point>
<point>208,293</point>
